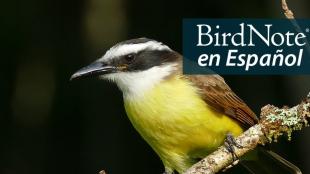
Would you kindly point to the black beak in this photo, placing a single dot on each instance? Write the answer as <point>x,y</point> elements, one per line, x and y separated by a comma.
<point>93,70</point>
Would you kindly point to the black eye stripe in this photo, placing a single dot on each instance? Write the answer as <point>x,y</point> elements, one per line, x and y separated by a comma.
<point>149,58</point>
<point>129,57</point>
<point>145,59</point>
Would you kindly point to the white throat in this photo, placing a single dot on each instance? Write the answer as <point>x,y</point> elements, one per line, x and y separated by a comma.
<point>135,84</point>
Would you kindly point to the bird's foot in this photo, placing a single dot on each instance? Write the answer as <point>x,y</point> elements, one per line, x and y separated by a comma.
<point>230,144</point>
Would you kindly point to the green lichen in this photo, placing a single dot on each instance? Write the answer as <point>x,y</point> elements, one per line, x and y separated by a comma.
<point>277,122</point>
<point>287,117</point>
<point>288,120</point>
<point>272,118</point>
<point>306,106</point>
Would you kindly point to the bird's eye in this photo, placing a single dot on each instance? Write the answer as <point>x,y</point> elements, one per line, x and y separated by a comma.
<point>129,58</point>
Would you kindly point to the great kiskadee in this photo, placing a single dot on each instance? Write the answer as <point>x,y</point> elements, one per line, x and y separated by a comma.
<point>182,117</point>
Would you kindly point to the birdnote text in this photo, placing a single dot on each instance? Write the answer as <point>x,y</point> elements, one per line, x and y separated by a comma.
<point>240,46</point>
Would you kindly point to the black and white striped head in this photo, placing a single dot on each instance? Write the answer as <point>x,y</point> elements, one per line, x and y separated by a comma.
<point>134,65</point>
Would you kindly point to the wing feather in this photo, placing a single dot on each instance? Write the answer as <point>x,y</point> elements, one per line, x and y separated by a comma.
<point>218,94</point>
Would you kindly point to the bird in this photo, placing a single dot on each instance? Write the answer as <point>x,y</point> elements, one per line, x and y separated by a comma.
<point>182,117</point>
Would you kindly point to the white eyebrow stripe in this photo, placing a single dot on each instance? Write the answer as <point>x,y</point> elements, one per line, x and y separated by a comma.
<point>121,50</point>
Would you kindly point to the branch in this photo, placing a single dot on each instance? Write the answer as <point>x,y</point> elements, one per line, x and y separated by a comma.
<point>290,15</point>
<point>274,123</point>
<point>287,12</point>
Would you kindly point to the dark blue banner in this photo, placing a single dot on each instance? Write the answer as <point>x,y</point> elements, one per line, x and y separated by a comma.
<point>246,46</point>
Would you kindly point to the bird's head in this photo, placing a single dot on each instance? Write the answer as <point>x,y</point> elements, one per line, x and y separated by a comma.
<point>134,65</point>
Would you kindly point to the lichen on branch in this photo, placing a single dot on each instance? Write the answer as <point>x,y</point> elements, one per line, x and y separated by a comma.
<point>284,121</point>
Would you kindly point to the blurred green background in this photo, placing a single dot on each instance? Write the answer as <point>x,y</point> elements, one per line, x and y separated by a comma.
<point>50,125</point>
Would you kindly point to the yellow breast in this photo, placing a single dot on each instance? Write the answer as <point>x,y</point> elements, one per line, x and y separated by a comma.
<point>176,122</point>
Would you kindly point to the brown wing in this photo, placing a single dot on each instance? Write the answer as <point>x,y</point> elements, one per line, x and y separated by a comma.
<point>217,94</point>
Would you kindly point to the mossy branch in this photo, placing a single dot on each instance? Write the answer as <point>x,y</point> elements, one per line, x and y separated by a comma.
<point>274,122</point>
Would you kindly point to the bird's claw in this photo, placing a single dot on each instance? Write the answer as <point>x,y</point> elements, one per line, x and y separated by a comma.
<point>230,144</point>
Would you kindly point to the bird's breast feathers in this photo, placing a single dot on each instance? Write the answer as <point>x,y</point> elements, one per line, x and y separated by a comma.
<point>173,117</point>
